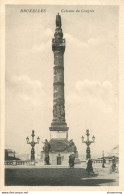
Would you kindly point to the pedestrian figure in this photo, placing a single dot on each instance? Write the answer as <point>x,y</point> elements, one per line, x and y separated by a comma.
<point>103,163</point>
<point>113,162</point>
<point>113,167</point>
<point>89,168</point>
<point>71,161</point>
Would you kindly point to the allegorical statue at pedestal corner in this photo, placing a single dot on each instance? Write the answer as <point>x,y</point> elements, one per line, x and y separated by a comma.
<point>72,146</point>
<point>46,149</point>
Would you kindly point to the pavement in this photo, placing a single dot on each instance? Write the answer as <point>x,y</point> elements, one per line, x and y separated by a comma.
<point>59,176</point>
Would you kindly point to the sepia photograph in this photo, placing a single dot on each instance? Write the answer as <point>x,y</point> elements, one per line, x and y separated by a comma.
<point>61,95</point>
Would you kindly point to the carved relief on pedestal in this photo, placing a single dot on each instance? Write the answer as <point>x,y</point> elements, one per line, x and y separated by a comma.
<point>59,112</point>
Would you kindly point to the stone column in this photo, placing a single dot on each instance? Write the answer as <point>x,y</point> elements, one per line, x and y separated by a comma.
<point>58,48</point>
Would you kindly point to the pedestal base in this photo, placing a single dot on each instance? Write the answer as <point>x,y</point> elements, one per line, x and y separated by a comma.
<point>57,158</point>
<point>59,151</point>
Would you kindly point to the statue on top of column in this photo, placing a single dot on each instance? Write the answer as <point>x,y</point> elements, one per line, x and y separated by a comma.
<point>58,21</point>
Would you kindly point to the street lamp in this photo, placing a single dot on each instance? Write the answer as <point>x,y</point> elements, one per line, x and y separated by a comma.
<point>88,142</point>
<point>32,143</point>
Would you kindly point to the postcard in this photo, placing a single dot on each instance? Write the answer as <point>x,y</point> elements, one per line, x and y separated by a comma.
<point>62,95</point>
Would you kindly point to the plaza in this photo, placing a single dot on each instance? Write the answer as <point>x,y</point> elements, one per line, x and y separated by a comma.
<point>59,176</point>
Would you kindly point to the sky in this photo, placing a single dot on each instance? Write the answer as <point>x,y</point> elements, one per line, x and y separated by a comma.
<point>91,75</point>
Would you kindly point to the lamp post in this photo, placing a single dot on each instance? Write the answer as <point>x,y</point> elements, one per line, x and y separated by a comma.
<point>32,143</point>
<point>88,142</point>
